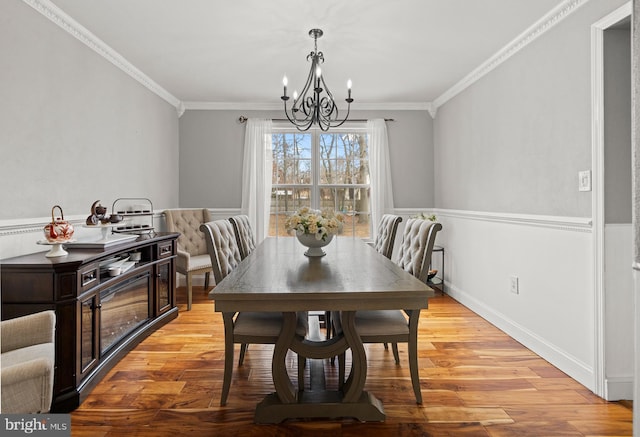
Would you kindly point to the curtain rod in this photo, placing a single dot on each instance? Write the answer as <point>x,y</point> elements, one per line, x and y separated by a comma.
<point>243,119</point>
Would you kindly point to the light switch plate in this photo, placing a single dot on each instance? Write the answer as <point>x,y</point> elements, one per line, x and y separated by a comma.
<point>584,180</point>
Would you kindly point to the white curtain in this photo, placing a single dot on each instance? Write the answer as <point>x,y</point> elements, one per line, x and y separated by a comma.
<point>380,172</point>
<point>256,176</point>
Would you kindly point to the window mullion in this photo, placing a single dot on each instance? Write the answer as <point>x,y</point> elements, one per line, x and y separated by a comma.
<point>315,175</point>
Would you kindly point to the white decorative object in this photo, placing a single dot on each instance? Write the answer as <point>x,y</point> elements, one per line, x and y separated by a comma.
<point>58,230</point>
<point>314,228</point>
<point>56,248</point>
<point>313,244</point>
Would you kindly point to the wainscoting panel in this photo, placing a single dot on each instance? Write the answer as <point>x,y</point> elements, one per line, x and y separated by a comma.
<point>552,258</point>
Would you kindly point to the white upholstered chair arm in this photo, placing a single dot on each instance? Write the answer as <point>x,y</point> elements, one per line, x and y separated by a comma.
<point>182,261</point>
<point>21,372</point>
<point>28,330</point>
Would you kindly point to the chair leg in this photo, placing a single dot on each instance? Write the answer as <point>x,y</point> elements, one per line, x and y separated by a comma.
<point>206,280</point>
<point>413,368</point>
<point>341,370</point>
<point>302,362</point>
<point>328,324</point>
<point>396,355</point>
<point>243,351</point>
<point>189,297</point>
<point>228,357</point>
<point>386,346</point>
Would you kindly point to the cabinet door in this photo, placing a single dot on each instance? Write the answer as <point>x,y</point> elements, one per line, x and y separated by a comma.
<point>164,286</point>
<point>89,351</point>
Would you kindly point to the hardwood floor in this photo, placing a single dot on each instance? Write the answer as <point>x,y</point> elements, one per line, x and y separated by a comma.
<point>476,381</point>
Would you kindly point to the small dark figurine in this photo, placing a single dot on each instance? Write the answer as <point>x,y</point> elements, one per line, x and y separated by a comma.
<point>97,214</point>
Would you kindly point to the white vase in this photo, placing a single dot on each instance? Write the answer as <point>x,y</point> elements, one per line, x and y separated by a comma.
<point>314,246</point>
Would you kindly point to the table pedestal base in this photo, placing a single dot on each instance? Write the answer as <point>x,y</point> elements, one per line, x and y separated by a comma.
<point>320,404</point>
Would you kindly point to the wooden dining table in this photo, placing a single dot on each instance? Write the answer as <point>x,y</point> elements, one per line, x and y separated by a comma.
<point>352,276</point>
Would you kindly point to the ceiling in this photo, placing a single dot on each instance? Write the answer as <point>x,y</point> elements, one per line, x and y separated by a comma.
<point>236,51</point>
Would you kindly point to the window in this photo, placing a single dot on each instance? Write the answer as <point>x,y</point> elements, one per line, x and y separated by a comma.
<point>321,170</point>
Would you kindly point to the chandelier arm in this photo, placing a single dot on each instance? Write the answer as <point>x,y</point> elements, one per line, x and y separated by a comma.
<point>301,124</point>
<point>301,103</point>
<point>345,118</point>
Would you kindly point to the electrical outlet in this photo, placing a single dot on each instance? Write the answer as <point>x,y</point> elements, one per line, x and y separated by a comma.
<point>515,286</point>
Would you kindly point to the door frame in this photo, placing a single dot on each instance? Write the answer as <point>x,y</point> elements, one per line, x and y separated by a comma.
<point>597,195</point>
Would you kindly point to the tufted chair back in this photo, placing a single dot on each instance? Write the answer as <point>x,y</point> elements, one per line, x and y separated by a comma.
<point>418,239</point>
<point>222,247</point>
<point>386,234</point>
<point>187,222</point>
<point>244,234</point>
<point>193,258</point>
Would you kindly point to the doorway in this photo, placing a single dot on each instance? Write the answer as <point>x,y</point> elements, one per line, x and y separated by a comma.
<point>611,199</point>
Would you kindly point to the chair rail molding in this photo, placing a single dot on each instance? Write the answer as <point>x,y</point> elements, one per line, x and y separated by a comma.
<point>553,17</point>
<point>71,26</point>
<point>576,224</point>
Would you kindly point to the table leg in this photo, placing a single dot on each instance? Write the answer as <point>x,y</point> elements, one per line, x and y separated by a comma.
<point>287,404</point>
<point>358,376</point>
<point>282,383</point>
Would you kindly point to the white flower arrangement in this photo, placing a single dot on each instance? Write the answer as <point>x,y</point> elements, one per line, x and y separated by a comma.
<point>424,216</point>
<point>312,221</point>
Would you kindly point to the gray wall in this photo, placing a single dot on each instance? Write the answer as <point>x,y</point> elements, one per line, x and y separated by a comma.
<point>515,141</point>
<point>74,128</point>
<point>617,125</point>
<point>212,142</point>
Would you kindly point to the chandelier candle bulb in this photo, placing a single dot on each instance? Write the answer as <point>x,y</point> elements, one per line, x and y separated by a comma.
<point>284,82</point>
<point>348,89</point>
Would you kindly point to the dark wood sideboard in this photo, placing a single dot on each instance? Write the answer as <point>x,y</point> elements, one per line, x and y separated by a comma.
<point>99,317</point>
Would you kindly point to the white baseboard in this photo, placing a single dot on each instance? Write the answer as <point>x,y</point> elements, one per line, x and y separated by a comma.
<point>565,362</point>
<point>619,388</point>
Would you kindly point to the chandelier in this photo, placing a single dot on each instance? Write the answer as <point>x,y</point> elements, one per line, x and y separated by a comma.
<point>315,104</point>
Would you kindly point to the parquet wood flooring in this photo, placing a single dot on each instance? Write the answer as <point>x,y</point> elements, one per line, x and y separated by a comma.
<point>476,381</point>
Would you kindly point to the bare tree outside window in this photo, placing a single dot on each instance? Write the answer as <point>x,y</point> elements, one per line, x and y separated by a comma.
<point>321,170</point>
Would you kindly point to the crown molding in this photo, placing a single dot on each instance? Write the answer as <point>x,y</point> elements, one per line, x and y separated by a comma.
<point>232,106</point>
<point>553,17</point>
<point>397,106</point>
<point>71,26</point>
<point>248,106</point>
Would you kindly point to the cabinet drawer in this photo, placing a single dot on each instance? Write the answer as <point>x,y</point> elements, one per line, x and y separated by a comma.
<point>88,277</point>
<point>165,250</point>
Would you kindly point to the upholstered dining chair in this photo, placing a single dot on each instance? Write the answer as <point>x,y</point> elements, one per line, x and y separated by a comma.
<point>383,243</point>
<point>386,234</point>
<point>386,237</point>
<point>27,361</point>
<point>399,326</point>
<point>244,234</point>
<point>193,258</point>
<point>245,327</point>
